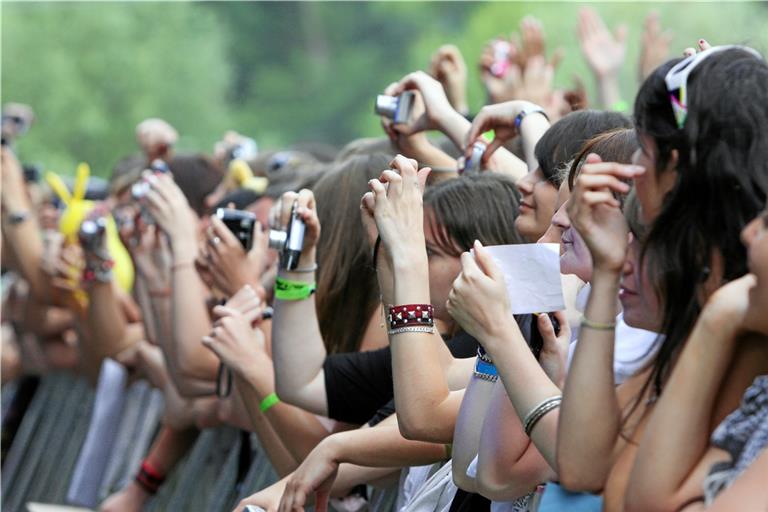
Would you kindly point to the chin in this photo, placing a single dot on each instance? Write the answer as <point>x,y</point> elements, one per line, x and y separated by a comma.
<point>640,321</point>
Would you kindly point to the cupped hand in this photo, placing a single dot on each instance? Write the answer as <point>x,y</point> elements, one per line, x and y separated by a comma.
<point>315,475</point>
<point>235,341</point>
<point>478,300</point>
<point>449,68</point>
<point>596,214</point>
<point>605,52</point>
<point>398,210</point>
<point>306,209</point>
<point>169,208</point>
<point>554,351</point>
<point>501,119</point>
<point>437,108</point>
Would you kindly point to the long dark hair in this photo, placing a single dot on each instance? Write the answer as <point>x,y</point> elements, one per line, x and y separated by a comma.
<point>722,179</point>
<point>347,289</point>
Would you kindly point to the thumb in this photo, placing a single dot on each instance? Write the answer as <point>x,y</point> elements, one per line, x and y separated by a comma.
<point>222,311</point>
<point>485,262</point>
<point>422,175</point>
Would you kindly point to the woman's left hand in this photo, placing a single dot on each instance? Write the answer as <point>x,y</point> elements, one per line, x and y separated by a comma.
<point>479,301</point>
<point>316,474</point>
<point>554,351</point>
<point>234,340</point>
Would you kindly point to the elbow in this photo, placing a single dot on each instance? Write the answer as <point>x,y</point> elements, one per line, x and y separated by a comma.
<point>415,428</point>
<point>508,483</point>
<point>580,481</point>
<point>462,480</point>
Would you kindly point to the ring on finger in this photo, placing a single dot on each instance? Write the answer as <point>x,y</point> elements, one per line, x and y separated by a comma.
<point>215,240</point>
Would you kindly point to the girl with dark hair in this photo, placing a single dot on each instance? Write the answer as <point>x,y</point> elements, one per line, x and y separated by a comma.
<point>704,174</point>
<point>678,465</point>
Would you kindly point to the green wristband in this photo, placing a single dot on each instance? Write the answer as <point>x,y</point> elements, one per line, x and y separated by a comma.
<point>269,402</point>
<point>293,290</point>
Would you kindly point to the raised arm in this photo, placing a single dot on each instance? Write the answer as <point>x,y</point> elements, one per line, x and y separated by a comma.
<point>420,360</point>
<point>586,449</point>
<point>479,302</point>
<point>299,380</point>
<point>189,317</point>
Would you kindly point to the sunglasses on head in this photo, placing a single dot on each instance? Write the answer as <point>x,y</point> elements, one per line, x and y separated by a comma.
<point>677,79</point>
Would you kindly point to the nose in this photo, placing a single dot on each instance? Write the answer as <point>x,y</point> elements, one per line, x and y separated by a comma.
<point>525,184</point>
<point>560,218</point>
<point>749,231</point>
<point>630,262</point>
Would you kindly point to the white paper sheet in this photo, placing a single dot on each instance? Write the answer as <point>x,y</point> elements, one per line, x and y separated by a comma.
<point>532,274</point>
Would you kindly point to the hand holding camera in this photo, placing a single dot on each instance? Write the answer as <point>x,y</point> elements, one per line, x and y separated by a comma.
<point>295,230</point>
<point>504,119</point>
<point>236,250</point>
<point>169,208</point>
<point>437,108</point>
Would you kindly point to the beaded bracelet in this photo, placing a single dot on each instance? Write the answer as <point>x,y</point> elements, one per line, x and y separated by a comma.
<point>101,272</point>
<point>538,412</point>
<point>412,328</point>
<point>483,355</point>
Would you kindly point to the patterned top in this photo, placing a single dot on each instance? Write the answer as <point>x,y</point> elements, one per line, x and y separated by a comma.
<point>743,434</point>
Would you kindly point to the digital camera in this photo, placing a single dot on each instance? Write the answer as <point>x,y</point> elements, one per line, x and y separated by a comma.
<point>141,187</point>
<point>240,223</point>
<point>92,232</point>
<point>396,108</point>
<point>289,243</point>
<point>472,164</point>
<point>501,51</point>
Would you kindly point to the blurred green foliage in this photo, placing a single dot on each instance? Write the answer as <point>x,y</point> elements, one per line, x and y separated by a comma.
<point>282,72</point>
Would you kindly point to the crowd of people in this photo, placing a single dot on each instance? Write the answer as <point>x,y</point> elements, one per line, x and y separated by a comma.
<point>347,307</point>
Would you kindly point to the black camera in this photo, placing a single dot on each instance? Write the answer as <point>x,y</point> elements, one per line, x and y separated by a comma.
<point>240,223</point>
<point>396,108</point>
<point>289,243</point>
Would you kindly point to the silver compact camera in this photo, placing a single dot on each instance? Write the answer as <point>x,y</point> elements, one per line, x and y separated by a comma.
<point>396,108</point>
<point>141,187</point>
<point>289,243</point>
<point>472,164</point>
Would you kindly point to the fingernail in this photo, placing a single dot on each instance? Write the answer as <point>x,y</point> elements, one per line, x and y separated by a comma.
<point>637,169</point>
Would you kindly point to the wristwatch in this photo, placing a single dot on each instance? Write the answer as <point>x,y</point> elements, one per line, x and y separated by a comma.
<point>530,109</point>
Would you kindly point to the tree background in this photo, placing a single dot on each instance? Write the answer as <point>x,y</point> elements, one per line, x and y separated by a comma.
<point>281,72</point>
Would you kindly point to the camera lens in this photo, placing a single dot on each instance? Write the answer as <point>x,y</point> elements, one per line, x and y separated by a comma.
<point>277,239</point>
<point>386,105</point>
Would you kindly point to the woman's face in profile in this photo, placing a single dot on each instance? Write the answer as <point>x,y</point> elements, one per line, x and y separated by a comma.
<point>755,238</point>
<point>641,305</point>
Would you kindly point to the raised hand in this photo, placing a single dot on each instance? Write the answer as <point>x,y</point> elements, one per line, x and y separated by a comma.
<point>478,300</point>
<point>437,108</point>
<point>396,199</point>
<point>230,265</point>
<point>654,45</point>
<point>280,217</point>
<point>595,212</point>
<point>448,67</point>
<point>169,208</point>
<point>605,52</point>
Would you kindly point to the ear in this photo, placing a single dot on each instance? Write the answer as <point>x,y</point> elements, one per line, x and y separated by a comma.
<point>674,158</point>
